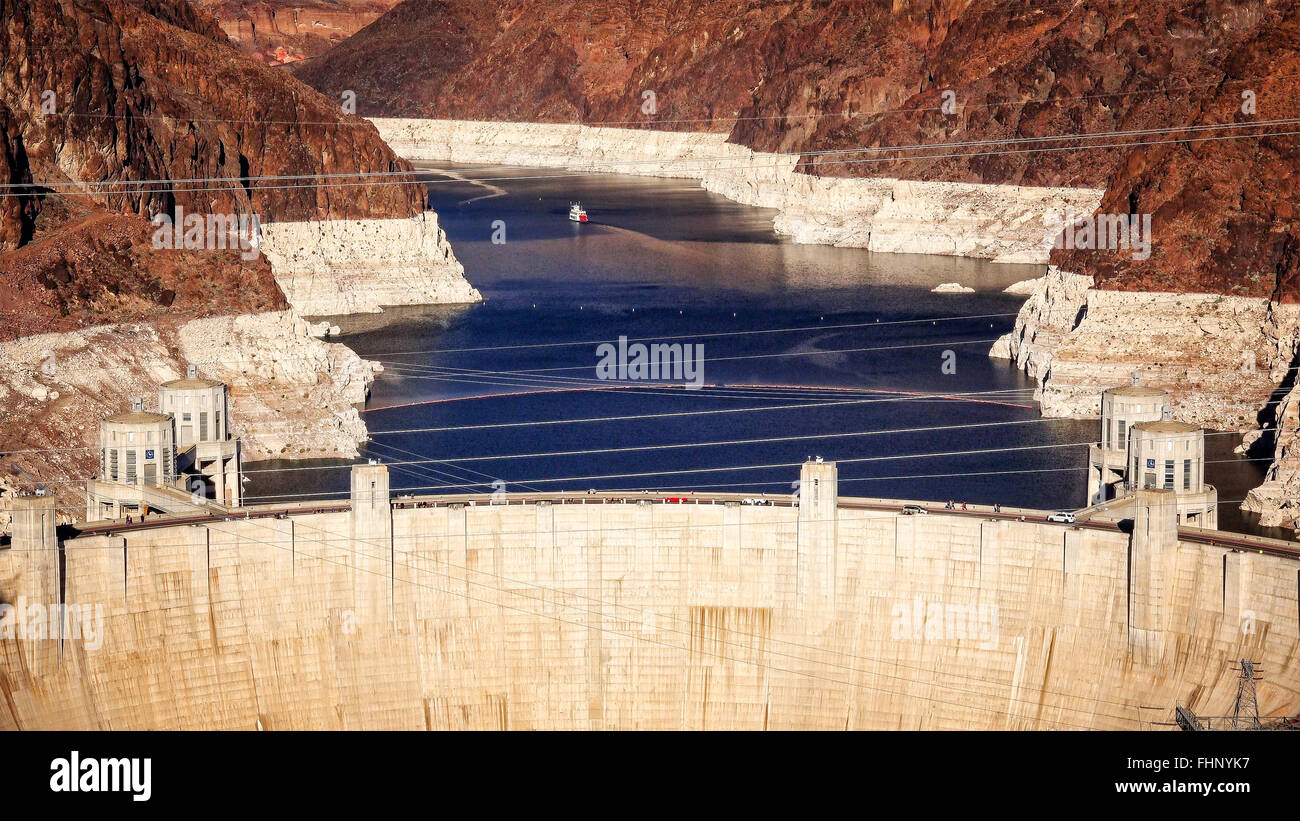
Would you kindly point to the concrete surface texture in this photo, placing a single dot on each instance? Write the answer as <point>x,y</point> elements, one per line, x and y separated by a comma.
<point>639,615</point>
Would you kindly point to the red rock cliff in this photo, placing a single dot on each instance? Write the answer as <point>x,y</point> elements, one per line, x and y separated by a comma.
<point>815,76</point>
<point>284,31</point>
<point>112,91</point>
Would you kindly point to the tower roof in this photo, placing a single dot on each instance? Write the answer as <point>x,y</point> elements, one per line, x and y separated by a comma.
<point>134,417</point>
<point>1136,391</point>
<point>1167,426</point>
<point>190,383</point>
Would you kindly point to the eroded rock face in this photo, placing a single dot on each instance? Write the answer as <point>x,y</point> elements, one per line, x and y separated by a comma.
<point>804,77</point>
<point>122,92</point>
<point>1054,308</point>
<point>97,99</point>
<point>330,267</point>
<point>1277,500</point>
<point>17,213</point>
<point>284,31</point>
<point>1225,212</point>
<point>998,222</point>
<point>102,267</point>
<point>291,395</point>
<point>1220,357</point>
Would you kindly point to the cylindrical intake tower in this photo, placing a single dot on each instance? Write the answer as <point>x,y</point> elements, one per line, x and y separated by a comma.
<point>1171,456</point>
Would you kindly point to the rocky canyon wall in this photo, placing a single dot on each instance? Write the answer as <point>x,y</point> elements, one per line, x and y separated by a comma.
<point>1277,500</point>
<point>285,31</point>
<point>291,395</point>
<point>357,266</point>
<point>1005,223</point>
<point>1222,359</point>
<point>199,127</point>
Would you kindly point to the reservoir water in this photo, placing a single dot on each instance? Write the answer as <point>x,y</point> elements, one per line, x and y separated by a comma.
<point>807,350</point>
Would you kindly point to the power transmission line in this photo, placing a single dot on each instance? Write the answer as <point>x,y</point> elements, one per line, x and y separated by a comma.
<point>170,185</point>
<point>55,184</point>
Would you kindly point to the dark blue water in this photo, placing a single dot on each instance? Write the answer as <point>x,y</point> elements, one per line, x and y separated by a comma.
<point>662,260</point>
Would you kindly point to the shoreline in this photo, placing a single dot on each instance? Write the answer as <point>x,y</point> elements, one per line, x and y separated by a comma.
<point>1000,223</point>
<point>1223,359</point>
<point>291,395</point>
<point>350,266</point>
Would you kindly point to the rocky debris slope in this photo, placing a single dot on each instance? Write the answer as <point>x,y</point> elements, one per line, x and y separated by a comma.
<point>290,395</point>
<point>101,267</point>
<point>999,222</point>
<point>284,31</point>
<point>1277,500</point>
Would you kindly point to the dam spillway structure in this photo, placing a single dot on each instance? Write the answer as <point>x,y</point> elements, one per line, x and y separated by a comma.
<point>601,611</point>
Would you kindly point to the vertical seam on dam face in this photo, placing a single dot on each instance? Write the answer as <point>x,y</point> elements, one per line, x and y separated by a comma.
<point>392,569</point>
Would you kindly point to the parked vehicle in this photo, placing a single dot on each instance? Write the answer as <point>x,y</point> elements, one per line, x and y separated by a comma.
<point>1063,516</point>
<point>912,510</point>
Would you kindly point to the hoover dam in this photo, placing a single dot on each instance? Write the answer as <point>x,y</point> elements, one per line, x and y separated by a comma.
<point>586,610</point>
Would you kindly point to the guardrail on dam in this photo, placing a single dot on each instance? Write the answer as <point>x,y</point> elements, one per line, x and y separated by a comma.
<point>622,612</point>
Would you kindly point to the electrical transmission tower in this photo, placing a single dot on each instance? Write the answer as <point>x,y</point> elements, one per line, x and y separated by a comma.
<point>1245,710</point>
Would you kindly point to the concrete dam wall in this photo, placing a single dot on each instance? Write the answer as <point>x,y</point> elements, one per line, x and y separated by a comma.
<point>632,614</point>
